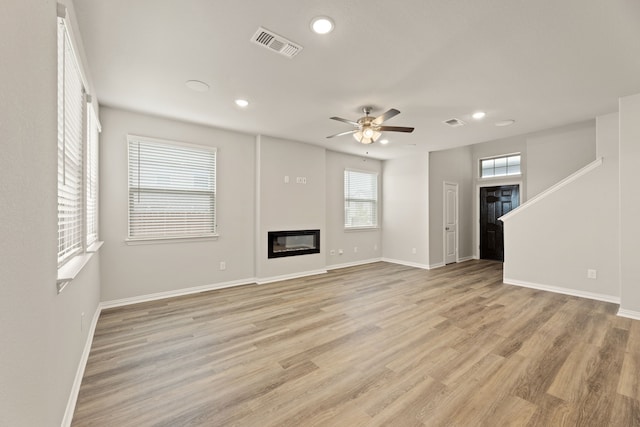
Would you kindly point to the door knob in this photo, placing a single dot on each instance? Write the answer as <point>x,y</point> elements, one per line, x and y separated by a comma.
<point>447,228</point>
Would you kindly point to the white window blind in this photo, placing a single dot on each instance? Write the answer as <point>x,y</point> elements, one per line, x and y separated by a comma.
<point>93,130</point>
<point>360,199</point>
<point>172,189</point>
<point>70,153</point>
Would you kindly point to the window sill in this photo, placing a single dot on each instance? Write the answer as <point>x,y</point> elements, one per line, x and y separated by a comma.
<point>362,229</point>
<point>161,240</point>
<point>497,178</point>
<point>71,269</point>
<point>95,246</point>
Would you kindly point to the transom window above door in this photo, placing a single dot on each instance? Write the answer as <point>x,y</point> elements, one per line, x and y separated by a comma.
<point>500,166</point>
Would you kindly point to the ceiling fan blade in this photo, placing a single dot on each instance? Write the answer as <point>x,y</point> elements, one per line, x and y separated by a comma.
<point>343,133</point>
<point>340,119</point>
<point>395,129</point>
<point>386,116</point>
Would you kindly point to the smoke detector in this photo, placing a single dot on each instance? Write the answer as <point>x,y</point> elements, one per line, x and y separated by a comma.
<point>275,43</point>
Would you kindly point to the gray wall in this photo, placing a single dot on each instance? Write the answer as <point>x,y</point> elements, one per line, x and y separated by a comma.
<point>630,203</point>
<point>553,241</point>
<point>42,334</point>
<point>547,157</point>
<point>291,206</point>
<point>367,242</point>
<point>554,154</point>
<point>142,269</point>
<point>406,210</point>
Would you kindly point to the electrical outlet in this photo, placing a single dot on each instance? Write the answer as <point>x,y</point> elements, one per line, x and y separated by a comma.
<point>592,274</point>
<point>375,247</point>
<point>332,252</point>
<point>286,179</point>
<point>413,250</point>
<point>355,249</point>
<point>340,251</point>
<point>223,265</point>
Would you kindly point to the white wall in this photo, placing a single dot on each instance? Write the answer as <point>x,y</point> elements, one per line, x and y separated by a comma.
<point>547,157</point>
<point>554,154</point>
<point>291,206</point>
<point>630,204</point>
<point>367,242</point>
<point>42,339</point>
<point>405,195</point>
<point>551,242</point>
<point>134,270</point>
<point>455,166</point>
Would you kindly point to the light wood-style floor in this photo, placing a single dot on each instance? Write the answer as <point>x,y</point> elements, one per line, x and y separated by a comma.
<point>379,344</point>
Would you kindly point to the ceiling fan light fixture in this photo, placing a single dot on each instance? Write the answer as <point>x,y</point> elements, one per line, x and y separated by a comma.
<point>366,135</point>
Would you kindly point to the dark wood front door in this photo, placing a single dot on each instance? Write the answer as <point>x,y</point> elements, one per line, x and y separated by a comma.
<point>495,202</point>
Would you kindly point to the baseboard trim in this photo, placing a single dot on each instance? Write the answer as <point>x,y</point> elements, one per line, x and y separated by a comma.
<point>353,264</point>
<point>272,279</point>
<point>176,293</point>
<point>629,314</point>
<point>564,291</point>
<point>407,263</point>
<point>442,264</point>
<point>82,364</point>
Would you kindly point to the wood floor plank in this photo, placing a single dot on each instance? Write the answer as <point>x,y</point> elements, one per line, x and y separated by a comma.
<point>371,345</point>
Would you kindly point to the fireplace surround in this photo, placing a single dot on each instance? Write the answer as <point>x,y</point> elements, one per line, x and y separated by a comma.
<point>292,243</point>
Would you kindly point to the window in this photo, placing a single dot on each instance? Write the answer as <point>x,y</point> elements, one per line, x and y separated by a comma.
<point>500,166</point>
<point>78,133</point>
<point>71,103</point>
<point>172,189</point>
<point>360,199</point>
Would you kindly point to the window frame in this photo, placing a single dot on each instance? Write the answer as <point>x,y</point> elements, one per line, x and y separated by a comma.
<point>500,157</point>
<point>150,239</point>
<point>376,202</point>
<point>72,262</point>
<point>92,177</point>
<point>71,149</point>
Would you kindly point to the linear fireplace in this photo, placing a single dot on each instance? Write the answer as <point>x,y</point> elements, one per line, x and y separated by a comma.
<point>293,242</point>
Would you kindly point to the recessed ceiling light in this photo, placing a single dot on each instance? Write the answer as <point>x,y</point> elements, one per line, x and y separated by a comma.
<point>503,123</point>
<point>479,115</point>
<point>243,103</point>
<point>384,141</point>
<point>197,85</point>
<point>322,25</point>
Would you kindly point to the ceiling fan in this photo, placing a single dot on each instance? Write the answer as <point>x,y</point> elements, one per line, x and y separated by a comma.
<point>368,129</point>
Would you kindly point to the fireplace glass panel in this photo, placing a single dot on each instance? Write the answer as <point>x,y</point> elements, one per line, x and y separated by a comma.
<point>293,242</point>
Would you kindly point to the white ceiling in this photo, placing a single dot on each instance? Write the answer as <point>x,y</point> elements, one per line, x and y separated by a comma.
<point>543,63</point>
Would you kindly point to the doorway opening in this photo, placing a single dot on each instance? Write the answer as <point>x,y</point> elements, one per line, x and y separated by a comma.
<point>495,202</point>
<point>450,232</point>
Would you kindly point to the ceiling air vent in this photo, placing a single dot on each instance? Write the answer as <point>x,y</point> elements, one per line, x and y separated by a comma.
<point>271,40</point>
<point>454,123</point>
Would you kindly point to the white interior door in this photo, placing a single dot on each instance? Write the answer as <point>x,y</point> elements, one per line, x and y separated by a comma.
<point>450,222</point>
